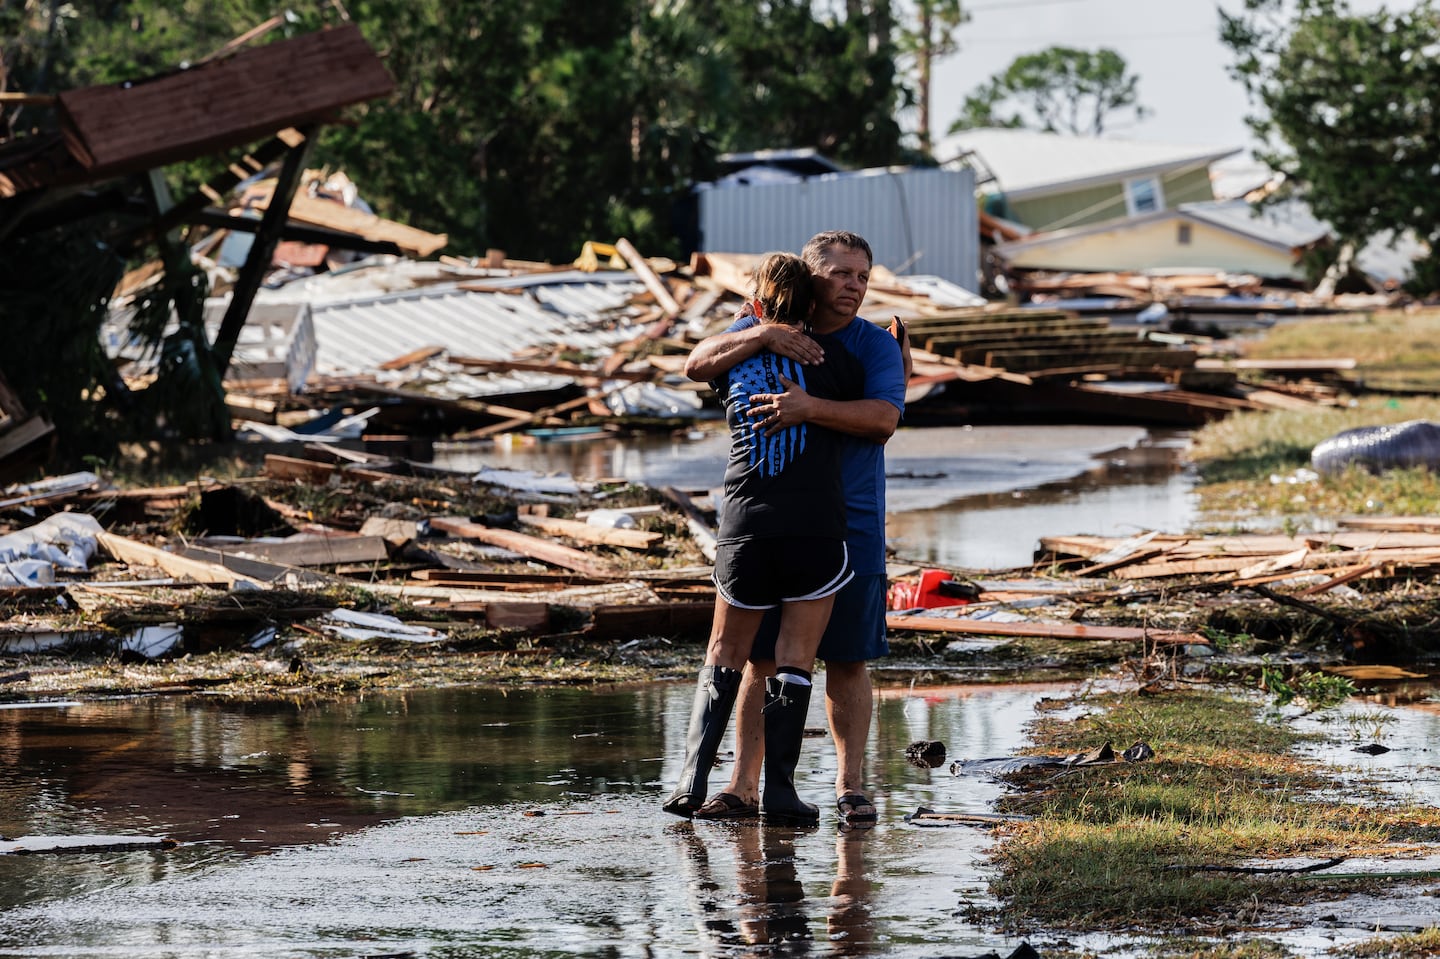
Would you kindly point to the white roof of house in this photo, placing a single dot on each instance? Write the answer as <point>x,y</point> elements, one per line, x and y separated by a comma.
<point>1028,163</point>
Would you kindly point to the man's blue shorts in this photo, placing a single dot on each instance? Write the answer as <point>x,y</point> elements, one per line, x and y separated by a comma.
<point>856,632</point>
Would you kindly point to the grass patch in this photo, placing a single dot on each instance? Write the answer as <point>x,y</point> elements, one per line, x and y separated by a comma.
<point>1249,467</point>
<point>1423,943</point>
<point>1120,846</point>
<point>1396,350</point>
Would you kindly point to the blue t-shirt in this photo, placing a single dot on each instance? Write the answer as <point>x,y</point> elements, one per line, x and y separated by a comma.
<point>863,461</point>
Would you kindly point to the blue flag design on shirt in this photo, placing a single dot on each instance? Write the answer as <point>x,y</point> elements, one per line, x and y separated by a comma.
<point>761,374</point>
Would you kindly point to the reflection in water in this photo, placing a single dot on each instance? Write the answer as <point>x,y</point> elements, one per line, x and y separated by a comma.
<point>397,823</point>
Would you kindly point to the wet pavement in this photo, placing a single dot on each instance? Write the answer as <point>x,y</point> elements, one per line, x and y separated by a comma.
<point>478,822</point>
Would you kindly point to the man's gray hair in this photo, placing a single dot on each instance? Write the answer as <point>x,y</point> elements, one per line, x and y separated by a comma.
<point>820,243</point>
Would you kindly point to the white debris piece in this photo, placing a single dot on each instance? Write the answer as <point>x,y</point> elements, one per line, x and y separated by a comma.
<point>350,624</point>
<point>529,481</point>
<point>29,556</point>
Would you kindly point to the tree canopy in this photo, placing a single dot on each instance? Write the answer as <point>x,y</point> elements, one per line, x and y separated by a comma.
<point>523,125</point>
<point>1349,112</point>
<point>1059,89</point>
<point>528,126</point>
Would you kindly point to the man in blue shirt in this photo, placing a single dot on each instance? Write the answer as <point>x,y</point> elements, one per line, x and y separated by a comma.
<point>840,263</point>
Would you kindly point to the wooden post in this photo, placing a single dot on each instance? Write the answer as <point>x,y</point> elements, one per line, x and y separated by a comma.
<point>262,251</point>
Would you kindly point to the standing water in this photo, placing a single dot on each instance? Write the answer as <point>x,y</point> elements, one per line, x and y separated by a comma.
<point>972,497</point>
<point>476,822</point>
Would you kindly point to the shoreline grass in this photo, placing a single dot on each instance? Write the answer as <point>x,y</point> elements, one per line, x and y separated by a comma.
<point>1116,848</point>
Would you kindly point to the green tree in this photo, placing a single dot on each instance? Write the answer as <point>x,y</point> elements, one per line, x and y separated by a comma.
<point>931,35</point>
<point>1059,89</point>
<point>1349,112</point>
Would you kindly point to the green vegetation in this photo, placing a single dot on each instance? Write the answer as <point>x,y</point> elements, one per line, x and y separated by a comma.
<point>1413,944</point>
<point>1392,349</point>
<point>1127,846</point>
<point>1059,89</point>
<point>1255,465</point>
<point>1342,104</point>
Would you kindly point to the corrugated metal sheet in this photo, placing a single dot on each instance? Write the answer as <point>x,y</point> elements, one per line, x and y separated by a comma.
<point>915,220</point>
<point>583,310</point>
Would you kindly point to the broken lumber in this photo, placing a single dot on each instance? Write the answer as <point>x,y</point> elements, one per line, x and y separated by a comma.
<point>649,277</point>
<point>938,624</point>
<point>316,551</point>
<point>532,546</point>
<point>698,524</point>
<point>650,619</point>
<point>601,535</point>
<point>131,553</point>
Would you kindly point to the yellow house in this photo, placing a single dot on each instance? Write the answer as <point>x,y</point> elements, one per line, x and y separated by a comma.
<point>1217,237</point>
<point>1053,181</point>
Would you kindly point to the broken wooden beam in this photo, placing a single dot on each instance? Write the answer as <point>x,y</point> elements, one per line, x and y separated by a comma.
<point>1077,631</point>
<point>532,546</point>
<point>132,553</point>
<point>630,620</point>
<point>649,277</point>
<point>600,535</point>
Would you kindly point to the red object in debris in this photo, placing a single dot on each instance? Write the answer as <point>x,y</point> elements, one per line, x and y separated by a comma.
<point>924,594</point>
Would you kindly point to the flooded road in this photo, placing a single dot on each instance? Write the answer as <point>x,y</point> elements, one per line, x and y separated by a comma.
<point>477,822</point>
<point>973,497</point>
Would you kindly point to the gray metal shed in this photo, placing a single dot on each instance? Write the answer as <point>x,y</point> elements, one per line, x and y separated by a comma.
<point>917,220</point>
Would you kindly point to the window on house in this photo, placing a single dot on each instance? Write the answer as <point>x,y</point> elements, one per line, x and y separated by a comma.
<point>1142,195</point>
<point>1182,235</point>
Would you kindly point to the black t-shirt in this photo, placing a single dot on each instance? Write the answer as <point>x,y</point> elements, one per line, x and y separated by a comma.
<point>788,484</point>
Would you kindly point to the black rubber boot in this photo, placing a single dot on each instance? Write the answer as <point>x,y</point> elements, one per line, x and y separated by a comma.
<point>715,693</point>
<point>785,707</point>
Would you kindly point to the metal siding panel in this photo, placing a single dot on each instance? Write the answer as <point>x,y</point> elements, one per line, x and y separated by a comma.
<point>899,212</point>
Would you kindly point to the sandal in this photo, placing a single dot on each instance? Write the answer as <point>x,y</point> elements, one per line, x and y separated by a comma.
<point>725,805</point>
<point>855,809</point>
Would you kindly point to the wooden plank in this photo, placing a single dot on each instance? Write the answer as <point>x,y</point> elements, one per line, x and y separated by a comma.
<point>133,553</point>
<point>294,468</point>
<point>1290,560</point>
<point>530,617</point>
<point>558,369</point>
<point>458,577</point>
<point>337,216</point>
<point>699,526</point>
<point>547,552</point>
<point>260,570</point>
<point>319,551</point>
<point>309,471</point>
<point>600,535</point>
<point>221,105</point>
<point>413,357</point>
<point>1399,524</point>
<point>648,276</point>
<point>650,619</point>
<point>1354,573</point>
<point>937,624</point>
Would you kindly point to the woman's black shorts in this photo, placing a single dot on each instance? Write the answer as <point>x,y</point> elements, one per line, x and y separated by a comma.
<point>762,573</point>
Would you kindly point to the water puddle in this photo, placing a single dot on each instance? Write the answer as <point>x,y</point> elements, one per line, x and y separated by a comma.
<point>456,822</point>
<point>973,497</point>
<point>467,821</point>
